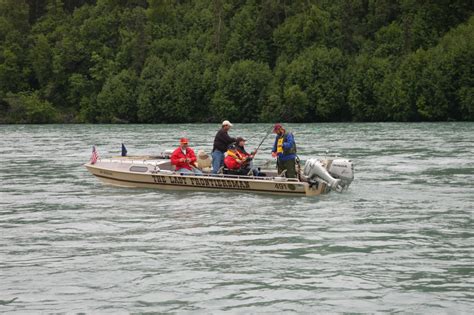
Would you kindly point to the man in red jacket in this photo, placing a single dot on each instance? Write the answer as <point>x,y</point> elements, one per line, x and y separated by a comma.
<point>184,158</point>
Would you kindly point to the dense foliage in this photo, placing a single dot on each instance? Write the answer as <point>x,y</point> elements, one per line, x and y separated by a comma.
<point>171,61</point>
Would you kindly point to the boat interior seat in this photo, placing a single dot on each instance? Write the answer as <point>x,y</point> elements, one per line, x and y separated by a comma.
<point>205,169</point>
<point>243,172</point>
<point>167,166</point>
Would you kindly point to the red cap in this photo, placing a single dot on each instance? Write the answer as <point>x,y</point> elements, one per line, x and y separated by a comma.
<point>183,140</point>
<point>277,127</point>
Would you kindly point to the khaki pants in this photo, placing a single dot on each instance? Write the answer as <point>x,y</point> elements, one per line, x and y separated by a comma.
<point>289,166</point>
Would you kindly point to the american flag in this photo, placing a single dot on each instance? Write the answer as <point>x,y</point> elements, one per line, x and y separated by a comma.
<point>94,156</point>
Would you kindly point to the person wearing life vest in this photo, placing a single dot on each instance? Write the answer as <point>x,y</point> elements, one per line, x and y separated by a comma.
<point>184,158</point>
<point>284,149</point>
<point>240,147</point>
<point>236,162</point>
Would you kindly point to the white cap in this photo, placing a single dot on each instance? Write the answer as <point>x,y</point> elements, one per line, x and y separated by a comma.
<point>226,123</point>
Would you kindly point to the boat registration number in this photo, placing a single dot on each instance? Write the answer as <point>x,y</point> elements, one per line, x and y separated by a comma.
<point>280,186</point>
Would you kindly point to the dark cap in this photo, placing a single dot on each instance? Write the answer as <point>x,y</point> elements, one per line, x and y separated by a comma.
<point>277,127</point>
<point>238,139</point>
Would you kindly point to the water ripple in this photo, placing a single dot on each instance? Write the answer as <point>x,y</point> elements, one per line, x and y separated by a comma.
<point>400,240</point>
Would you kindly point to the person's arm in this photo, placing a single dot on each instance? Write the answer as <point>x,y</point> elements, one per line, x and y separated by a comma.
<point>245,157</point>
<point>192,156</point>
<point>227,139</point>
<point>274,149</point>
<point>289,142</point>
<point>174,157</point>
<point>237,162</point>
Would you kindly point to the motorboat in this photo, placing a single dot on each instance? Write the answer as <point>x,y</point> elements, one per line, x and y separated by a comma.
<point>317,177</point>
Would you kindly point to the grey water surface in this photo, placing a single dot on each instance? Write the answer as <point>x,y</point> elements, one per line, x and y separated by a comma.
<point>400,240</point>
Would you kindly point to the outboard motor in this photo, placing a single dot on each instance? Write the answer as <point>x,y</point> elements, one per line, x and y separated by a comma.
<point>313,168</point>
<point>342,169</point>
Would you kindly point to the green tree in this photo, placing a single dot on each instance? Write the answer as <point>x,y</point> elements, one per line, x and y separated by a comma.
<point>241,91</point>
<point>302,31</point>
<point>252,60</point>
<point>433,84</point>
<point>117,101</point>
<point>320,73</point>
<point>180,94</point>
<point>14,24</point>
<point>134,40</point>
<point>296,105</point>
<point>366,78</point>
<point>30,108</point>
<point>41,59</point>
<point>149,90</point>
<point>244,42</point>
<point>466,102</point>
<point>389,41</point>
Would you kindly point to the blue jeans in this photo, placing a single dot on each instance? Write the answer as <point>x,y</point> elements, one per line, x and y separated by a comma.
<point>186,171</point>
<point>217,161</point>
<point>253,168</point>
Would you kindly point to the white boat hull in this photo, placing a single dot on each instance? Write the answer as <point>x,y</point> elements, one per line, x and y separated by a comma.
<point>152,175</point>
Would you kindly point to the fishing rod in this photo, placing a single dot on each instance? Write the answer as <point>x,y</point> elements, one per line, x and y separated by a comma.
<point>261,142</point>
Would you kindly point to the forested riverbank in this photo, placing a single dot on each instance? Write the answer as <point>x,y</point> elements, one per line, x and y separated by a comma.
<point>164,61</point>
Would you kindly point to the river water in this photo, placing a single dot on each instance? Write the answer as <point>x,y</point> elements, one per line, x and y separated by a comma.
<point>400,240</point>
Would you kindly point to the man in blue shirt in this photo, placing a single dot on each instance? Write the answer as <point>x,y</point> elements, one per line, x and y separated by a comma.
<point>284,149</point>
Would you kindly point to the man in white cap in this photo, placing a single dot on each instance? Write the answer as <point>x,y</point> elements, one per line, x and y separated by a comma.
<point>221,143</point>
